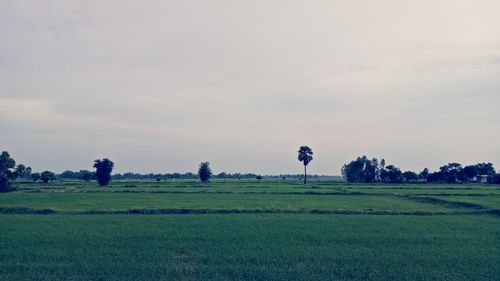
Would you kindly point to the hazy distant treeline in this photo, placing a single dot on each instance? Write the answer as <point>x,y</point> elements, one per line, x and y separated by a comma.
<point>366,170</point>
<point>361,169</point>
<point>84,175</point>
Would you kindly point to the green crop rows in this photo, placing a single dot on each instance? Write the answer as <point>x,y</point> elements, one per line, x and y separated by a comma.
<point>249,230</point>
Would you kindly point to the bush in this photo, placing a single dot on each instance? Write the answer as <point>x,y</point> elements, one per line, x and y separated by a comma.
<point>47,176</point>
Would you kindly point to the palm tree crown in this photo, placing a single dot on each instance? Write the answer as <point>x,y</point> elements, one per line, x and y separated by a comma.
<point>305,154</point>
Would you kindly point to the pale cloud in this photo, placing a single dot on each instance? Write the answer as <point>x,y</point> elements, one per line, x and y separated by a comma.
<point>162,85</point>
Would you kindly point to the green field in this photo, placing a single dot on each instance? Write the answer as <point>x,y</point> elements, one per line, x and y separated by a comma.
<point>249,230</point>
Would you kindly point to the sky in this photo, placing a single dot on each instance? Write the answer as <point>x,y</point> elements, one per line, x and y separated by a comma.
<point>159,86</point>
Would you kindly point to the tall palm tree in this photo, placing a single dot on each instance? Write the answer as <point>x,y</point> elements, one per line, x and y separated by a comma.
<point>305,156</point>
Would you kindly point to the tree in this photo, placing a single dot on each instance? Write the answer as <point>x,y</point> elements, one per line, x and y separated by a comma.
<point>391,174</point>
<point>485,169</point>
<point>7,173</point>
<point>47,176</point>
<point>468,173</point>
<point>35,176</point>
<point>451,172</point>
<point>259,177</point>
<point>20,170</point>
<point>435,177</point>
<point>69,175</point>
<point>424,174</point>
<point>495,179</point>
<point>27,173</point>
<point>86,175</point>
<point>363,169</point>
<point>222,175</point>
<point>305,156</point>
<point>410,176</point>
<point>204,171</point>
<point>377,168</point>
<point>103,168</point>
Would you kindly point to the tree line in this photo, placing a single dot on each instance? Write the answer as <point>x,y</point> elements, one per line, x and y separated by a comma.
<point>103,174</point>
<point>360,170</point>
<point>9,172</point>
<point>365,170</point>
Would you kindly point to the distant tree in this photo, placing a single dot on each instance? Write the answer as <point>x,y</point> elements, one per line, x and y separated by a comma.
<point>86,175</point>
<point>382,164</point>
<point>69,175</point>
<point>451,172</point>
<point>436,177</point>
<point>47,176</point>
<point>410,176</point>
<point>424,174</point>
<point>454,172</point>
<point>485,169</point>
<point>204,171</point>
<point>7,172</point>
<point>35,176</point>
<point>392,174</point>
<point>20,170</point>
<point>305,156</point>
<point>495,179</point>
<point>468,173</point>
<point>103,168</point>
<point>376,169</point>
<point>362,169</point>
<point>259,177</point>
<point>27,173</point>
<point>222,175</point>
<point>372,170</point>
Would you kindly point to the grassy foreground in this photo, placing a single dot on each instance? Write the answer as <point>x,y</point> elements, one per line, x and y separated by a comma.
<point>270,230</point>
<point>249,247</point>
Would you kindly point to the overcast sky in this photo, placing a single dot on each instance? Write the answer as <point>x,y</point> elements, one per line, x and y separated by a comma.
<point>159,86</point>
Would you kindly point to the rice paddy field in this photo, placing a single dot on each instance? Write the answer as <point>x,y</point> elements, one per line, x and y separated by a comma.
<point>249,230</point>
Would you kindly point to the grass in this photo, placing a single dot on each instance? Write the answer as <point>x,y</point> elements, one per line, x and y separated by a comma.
<point>492,202</point>
<point>249,230</point>
<point>60,201</point>
<point>430,191</point>
<point>249,247</point>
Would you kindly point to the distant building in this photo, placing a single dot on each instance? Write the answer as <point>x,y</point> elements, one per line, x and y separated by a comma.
<point>481,179</point>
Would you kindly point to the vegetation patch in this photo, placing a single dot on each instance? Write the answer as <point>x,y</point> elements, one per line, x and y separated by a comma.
<point>185,211</point>
<point>23,210</point>
<point>442,202</point>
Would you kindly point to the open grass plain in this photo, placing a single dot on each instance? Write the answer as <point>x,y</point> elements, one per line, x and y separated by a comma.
<point>249,230</point>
